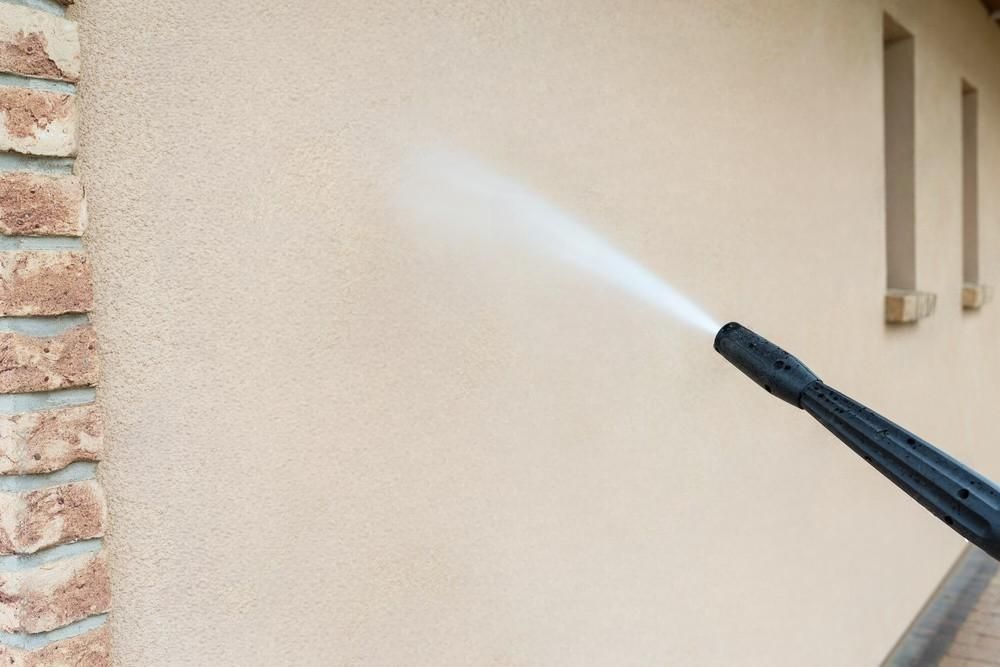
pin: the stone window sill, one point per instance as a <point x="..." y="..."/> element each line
<point x="904" y="306"/>
<point x="976" y="296"/>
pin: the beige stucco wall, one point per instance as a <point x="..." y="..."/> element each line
<point x="329" y="448"/>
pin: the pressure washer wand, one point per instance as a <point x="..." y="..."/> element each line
<point x="959" y="496"/>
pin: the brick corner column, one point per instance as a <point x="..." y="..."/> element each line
<point x="54" y="584"/>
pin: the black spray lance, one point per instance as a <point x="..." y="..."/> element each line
<point x="957" y="495"/>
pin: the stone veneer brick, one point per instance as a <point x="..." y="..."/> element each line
<point x="38" y="44"/>
<point x="33" y="520"/>
<point x="33" y="204"/>
<point x="47" y="592"/>
<point x="54" y="594"/>
<point x="47" y="440"/>
<point x="38" y="122"/>
<point x="44" y="283"/>
<point x="29" y="363"/>
<point x="91" y="649"/>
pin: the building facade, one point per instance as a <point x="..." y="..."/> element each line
<point x="329" y="436"/>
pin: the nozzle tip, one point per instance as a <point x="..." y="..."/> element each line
<point x="765" y="363"/>
<point x="723" y="331"/>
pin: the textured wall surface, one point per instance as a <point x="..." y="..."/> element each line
<point x="328" y="446"/>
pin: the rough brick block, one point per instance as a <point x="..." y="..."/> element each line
<point x="29" y="363"/>
<point x="47" y="440"/>
<point x="41" y="205"/>
<point x="45" y="283"/>
<point x="38" y="122"/>
<point x="54" y="594"/>
<point x="39" y="44"/>
<point x="33" y="520"/>
<point x="91" y="649"/>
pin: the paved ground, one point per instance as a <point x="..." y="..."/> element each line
<point x="977" y="642"/>
<point x="960" y="625"/>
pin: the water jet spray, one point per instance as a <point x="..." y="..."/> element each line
<point x="957" y="495"/>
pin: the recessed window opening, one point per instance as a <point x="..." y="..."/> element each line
<point x="898" y="96"/>
<point x="970" y="184"/>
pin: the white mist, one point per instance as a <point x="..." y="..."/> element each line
<point x="467" y="200"/>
